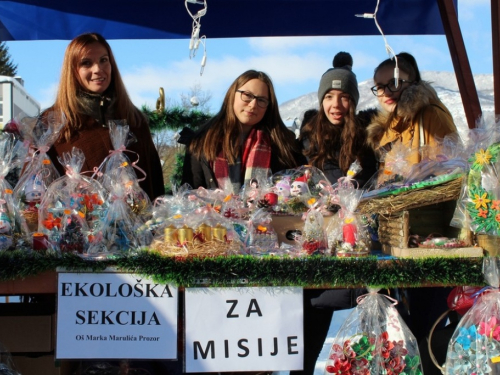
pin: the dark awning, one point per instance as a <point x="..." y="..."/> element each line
<point x="169" y="19"/>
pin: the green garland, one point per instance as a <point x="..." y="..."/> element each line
<point x="314" y="271"/>
<point x="174" y="118"/>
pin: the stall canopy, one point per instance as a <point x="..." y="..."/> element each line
<point x="169" y="19"/>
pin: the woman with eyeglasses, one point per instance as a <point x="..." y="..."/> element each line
<point x="245" y="140"/>
<point x="411" y="110"/>
<point x="413" y="114"/>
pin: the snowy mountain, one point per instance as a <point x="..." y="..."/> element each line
<point x="445" y="84"/>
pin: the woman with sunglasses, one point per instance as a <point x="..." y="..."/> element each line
<point x="413" y="114"/>
<point x="411" y="110"/>
<point x="245" y="140"/>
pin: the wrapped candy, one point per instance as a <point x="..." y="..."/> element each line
<point x="474" y="347"/>
<point x="72" y="208"/>
<point x="374" y="339"/>
<point x="39" y="172"/>
<point x="117" y="166"/>
<point x="12" y="153"/>
<point x="121" y="231"/>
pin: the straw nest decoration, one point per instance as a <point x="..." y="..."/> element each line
<point x="412" y="198"/>
<point x="204" y="249"/>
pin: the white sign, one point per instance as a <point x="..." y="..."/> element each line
<point x="244" y="329"/>
<point x="115" y="315"/>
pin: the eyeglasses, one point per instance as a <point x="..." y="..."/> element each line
<point x="379" y="90"/>
<point x="247" y="97"/>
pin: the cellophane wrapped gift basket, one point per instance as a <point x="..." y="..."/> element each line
<point x="12" y="155"/>
<point x="39" y="172"/>
<point x="374" y="339"/>
<point x="122" y="231"/>
<point x="117" y="166"/>
<point x="72" y="208"/>
<point x="294" y="192"/>
<point x="348" y="231"/>
<point x="474" y="347"/>
<point x="202" y="232"/>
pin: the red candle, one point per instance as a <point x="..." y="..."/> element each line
<point x="40" y="241"/>
<point x="349" y="232"/>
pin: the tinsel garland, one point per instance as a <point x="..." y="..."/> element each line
<point x="313" y="271"/>
<point x="174" y="118"/>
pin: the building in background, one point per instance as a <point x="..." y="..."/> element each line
<point x="15" y="100"/>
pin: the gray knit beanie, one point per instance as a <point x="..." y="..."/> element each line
<point x="340" y="77"/>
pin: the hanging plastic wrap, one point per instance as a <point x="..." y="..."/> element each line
<point x="39" y="172"/>
<point x="474" y="347"/>
<point x="117" y="166"/>
<point x="203" y="232"/>
<point x="122" y="231"/>
<point x="12" y="154"/>
<point x="374" y="339"/>
<point x="72" y="208"/>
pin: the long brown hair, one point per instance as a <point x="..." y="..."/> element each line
<point x="67" y="100"/>
<point x="221" y="133"/>
<point x="325" y="139"/>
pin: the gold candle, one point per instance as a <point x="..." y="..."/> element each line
<point x="206" y="231"/>
<point x="185" y="234"/>
<point x="170" y="234"/>
<point x="219" y="232"/>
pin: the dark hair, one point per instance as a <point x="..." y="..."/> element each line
<point x="406" y="63"/>
<point x="308" y="115"/>
<point x="221" y="133"/>
<point x="325" y="139"/>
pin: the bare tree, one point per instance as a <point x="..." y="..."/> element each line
<point x="203" y="98"/>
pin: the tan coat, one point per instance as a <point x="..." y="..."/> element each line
<point x="418" y="107"/>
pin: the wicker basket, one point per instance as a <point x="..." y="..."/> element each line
<point x="396" y="229"/>
<point x="412" y="198"/>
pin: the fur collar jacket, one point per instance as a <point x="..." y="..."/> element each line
<point x="420" y="118"/>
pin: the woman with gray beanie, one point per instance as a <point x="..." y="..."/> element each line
<point x="335" y="137"/>
<point x="332" y="140"/>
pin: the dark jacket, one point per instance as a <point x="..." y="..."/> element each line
<point x="366" y="156"/>
<point x="197" y="172"/>
<point x="95" y="142"/>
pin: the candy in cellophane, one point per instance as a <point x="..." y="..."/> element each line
<point x="72" y="208"/>
<point x="374" y="339"/>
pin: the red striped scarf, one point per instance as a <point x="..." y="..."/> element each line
<point x="255" y="159"/>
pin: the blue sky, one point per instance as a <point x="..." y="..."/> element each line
<point x="294" y="64"/>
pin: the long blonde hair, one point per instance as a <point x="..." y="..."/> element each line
<point x="221" y="133"/>
<point x="67" y="100"/>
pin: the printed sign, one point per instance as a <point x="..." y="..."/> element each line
<point x="243" y="329"/>
<point x="115" y="315"/>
